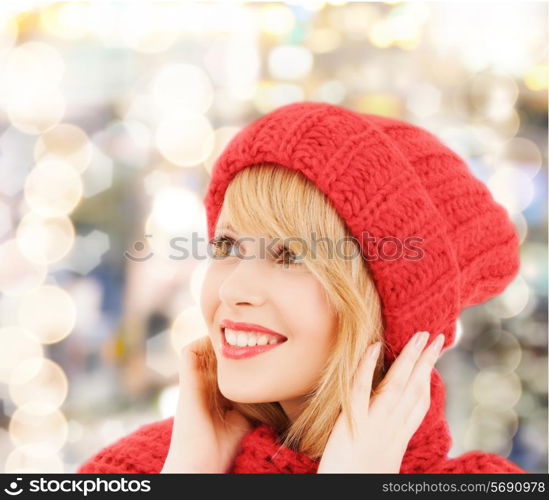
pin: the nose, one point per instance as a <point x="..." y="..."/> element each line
<point x="245" y="284"/>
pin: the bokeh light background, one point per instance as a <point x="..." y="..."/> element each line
<point x="111" y="116"/>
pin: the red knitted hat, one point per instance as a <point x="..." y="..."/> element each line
<point x="394" y="181"/>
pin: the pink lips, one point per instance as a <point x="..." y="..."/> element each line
<point x="235" y="352"/>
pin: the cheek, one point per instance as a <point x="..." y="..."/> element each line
<point x="209" y="297"/>
<point x="311" y="320"/>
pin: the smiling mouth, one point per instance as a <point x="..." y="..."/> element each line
<point x="239" y="338"/>
<point x="243" y="344"/>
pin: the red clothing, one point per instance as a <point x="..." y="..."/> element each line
<point x="145" y="450"/>
<point x="385" y="178"/>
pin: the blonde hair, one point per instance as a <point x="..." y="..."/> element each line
<point x="274" y="200"/>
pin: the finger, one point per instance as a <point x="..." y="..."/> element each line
<point x="193" y="401"/>
<point x="393" y="384"/>
<point x="416" y="401"/>
<point x="362" y="383"/>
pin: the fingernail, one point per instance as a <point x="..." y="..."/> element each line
<point x="374" y="353"/>
<point x="420" y="339"/>
<point x="438" y="343"/>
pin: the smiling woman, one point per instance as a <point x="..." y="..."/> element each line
<point x="352" y="386"/>
<point x="325" y="305"/>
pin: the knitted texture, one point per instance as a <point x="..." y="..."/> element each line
<point x="144" y="451"/>
<point x="393" y="181"/>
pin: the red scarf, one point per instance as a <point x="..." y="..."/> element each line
<point x="145" y="450"/>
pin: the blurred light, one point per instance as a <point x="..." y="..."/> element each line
<point x="16" y="345"/>
<point x="222" y="137"/>
<point x="15" y="160"/>
<point x="8" y="34"/>
<point x="182" y="87"/>
<point x="35" y="423"/>
<point x="512" y="188"/>
<point x="136" y="106"/>
<point x="323" y="40"/>
<point x="507" y="125"/>
<point x="197" y="280"/>
<point x="503" y="354"/>
<point x="242" y="64"/>
<point x="424" y="100"/>
<point x="34" y="458"/>
<point x="497" y="390"/>
<point x="168" y="400"/>
<point x="86" y="253"/>
<point x="491" y="430"/>
<point x="401" y="27"/>
<point x="76" y="431"/>
<point x="511" y="301"/>
<point x="331" y="91"/>
<point x="159" y="354"/>
<point x="276" y="19"/>
<point x="44" y="240"/>
<point x="29" y="89"/>
<point x="21" y="275"/>
<point x="379" y="103"/>
<point x="128" y="142"/>
<point x="185" y="139"/>
<point x="39" y="381"/>
<point x="48" y="313"/>
<point x="355" y="21"/>
<point x="493" y="95"/>
<point x="175" y="208"/>
<point x="187" y="327"/>
<point x="310" y="4"/>
<point x="290" y="62"/>
<point x="66" y="20"/>
<point x="537" y="77"/>
<point x="521" y="153"/>
<point x="53" y="188"/>
<point x="65" y="142"/>
<point x="176" y="213"/>
<point x="149" y="28"/>
<point x="36" y="113"/>
<point x="521" y="226"/>
<point x="111" y="429"/>
<point x="270" y="96"/>
<point x="98" y="176"/>
<point x="156" y="181"/>
<point x="533" y="369"/>
<point x="459" y="332"/>
<point x="481" y="36"/>
<point x="534" y="266"/>
<point x="32" y="68"/>
<point x="5" y="219"/>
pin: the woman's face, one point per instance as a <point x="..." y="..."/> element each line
<point x="248" y="284"/>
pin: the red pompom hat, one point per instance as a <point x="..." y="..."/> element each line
<point x="392" y="180"/>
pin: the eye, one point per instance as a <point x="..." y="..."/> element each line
<point x="220" y="245"/>
<point x="287" y="258"/>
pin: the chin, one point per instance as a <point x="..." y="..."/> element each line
<point x="238" y="394"/>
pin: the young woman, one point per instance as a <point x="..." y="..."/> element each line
<point x="344" y="246"/>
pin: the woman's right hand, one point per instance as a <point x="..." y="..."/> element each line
<point x="201" y="442"/>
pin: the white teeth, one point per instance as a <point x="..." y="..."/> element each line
<point x="263" y="340"/>
<point x="243" y="339"/>
<point x="230" y="336"/>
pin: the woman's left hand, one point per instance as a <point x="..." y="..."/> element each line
<point x="384" y="423"/>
